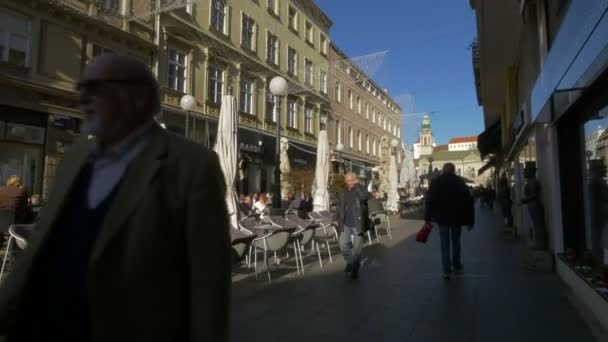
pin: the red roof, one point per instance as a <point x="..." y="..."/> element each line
<point x="463" y="140"/>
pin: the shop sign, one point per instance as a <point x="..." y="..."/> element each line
<point x="61" y="121"/>
<point x="244" y="147"/>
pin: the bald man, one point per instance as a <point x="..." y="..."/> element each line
<point x="133" y="244"/>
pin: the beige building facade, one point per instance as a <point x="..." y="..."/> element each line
<point x="44" y="46"/>
<point x="541" y="77"/>
<point x="205" y="49"/>
<point x="361" y="115"/>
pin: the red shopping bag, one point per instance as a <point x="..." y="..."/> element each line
<point x="423" y="233"/>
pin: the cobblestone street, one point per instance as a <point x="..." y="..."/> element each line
<point x="401" y="296"/>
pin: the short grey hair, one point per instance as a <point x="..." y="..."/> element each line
<point x="350" y="174"/>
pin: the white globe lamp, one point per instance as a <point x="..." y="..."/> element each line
<point x="278" y="86"/>
<point x="188" y="103"/>
<point x="339" y="147"/>
<point x="395" y="143"/>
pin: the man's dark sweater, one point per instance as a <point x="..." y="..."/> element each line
<point x="58" y="295"/>
<point x="350" y="202"/>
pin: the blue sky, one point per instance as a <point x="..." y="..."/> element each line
<point x="428" y="56"/>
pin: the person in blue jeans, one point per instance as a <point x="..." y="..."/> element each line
<point x="449" y="204"/>
<point x="351" y="220"/>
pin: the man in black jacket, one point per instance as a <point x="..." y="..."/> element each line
<point x="351" y="219"/>
<point x="450" y="205"/>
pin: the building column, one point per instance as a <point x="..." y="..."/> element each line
<point x="302" y="112"/>
<point x="205" y="96"/>
<point x="262" y="94"/>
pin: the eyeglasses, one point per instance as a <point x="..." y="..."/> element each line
<point x="96" y="86"/>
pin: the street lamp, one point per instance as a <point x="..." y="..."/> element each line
<point x="340" y="148"/>
<point x="188" y="103"/>
<point x="395" y="143"/>
<point x="278" y="88"/>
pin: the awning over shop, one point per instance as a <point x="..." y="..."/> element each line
<point x="489" y="141"/>
<point x="489" y="164"/>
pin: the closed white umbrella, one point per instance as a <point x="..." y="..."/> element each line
<point x="226" y="149"/>
<point x="393" y="196"/>
<point x="321" y="193"/>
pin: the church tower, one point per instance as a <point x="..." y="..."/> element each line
<point x="426" y="137"/>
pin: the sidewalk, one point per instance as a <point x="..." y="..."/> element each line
<point x="401" y="296"/>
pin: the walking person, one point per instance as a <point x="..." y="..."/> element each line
<point x="504" y="197"/>
<point x="133" y="244"/>
<point x="352" y="221"/>
<point x="450" y="205"/>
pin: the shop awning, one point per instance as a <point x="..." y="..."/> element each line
<point x="489" y="164"/>
<point x="489" y="141"/>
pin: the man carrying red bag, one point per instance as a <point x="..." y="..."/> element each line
<point x="450" y="205"/>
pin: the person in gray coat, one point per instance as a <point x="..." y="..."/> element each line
<point x="352" y="221"/>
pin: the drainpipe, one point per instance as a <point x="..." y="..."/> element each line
<point x="547" y="26"/>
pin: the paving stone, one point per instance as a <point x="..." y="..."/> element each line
<point x="401" y="296"/>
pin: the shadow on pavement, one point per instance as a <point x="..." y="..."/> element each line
<point x="401" y="296"/>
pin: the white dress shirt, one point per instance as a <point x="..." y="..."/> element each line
<point x="110" y="165"/>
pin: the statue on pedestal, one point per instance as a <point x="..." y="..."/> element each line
<point x="538" y="258"/>
<point x="285" y="168"/>
<point x="383" y="169"/>
<point x="532" y="198"/>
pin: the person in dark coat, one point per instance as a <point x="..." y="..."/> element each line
<point x="450" y="205"/>
<point x="504" y="197"/>
<point x="132" y="203"/>
<point x="352" y="221"/>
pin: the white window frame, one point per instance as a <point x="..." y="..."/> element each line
<point x="6" y="33"/>
<point x="351" y="138"/>
<point x="225" y="22"/>
<point x="308" y="119"/>
<point x="213" y="71"/>
<point x="292" y="114"/>
<point x="247" y="88"/>
<point x="374" y="147"/>
<point x="175" y="65"/>
<point x="310" y="33"/>
<point x="367" y="143"/>
<point x="339" y="131"/>
<point x="359" y="141"/>
<point x="104" y="50"/>
<point x="359" y="105"/>
<point x="350" y="99"/>
<point x="323" y="122"/>
<point x="293" y="72"/>
<point x="274" y="6"/>
<point x="367" y="111"/>
<point x="296" y="18"/>
<point x="275" y="56"/>
<point x="323" y="81"/>
<point x="323" y="43"/>
<point x="338" y="90"/>
<point x="248" y="39"/>
<point x="271" y="103"/>
<point x="309" y="74"/>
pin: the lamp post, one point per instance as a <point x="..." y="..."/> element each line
<point x="278" y="88"/>
<point x="188" y="103"/>
<point x="340" y="148"/>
